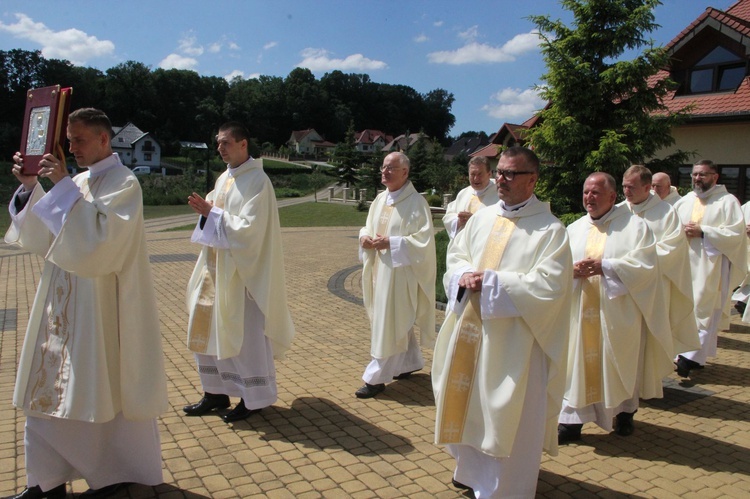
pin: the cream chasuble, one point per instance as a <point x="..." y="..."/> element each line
<point x="480" y="364"/>
<point x="677" y="286"/>
<point x="95" y="310"/>
<point x="468" y="200"/>
<point x="723" y="227"/>
<point x="630" y="250"/>
<point x="251" y="261"/>
<point x="397" y="297"/>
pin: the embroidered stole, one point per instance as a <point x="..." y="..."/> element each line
<point x="591" y="325"/>
<point x="462" y="371"/>
<point x="382" y="229"/>
<point x="699" y="208"/>
<point x="200" y="326"/>
<point x="474" y="204"/>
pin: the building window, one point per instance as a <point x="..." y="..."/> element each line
<point x="720" y="70"/>
<point x="147" y="156"/>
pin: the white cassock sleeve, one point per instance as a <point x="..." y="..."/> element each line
<point x="54" y="206"/>
<point x="613" y="286"/>
<point x="212" y="233"/>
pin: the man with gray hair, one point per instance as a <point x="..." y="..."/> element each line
<point x="397" y="248"/>
<point x="479" y="193"/>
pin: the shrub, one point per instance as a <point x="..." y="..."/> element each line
<point x="434" y="200"/>
<point x="441" y="249"/>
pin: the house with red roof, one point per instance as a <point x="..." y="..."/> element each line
<point x="309" y="143"/>
<point x="369" y="141"/>
<point x="710" y="61"/>
<point x="509" y="135"/>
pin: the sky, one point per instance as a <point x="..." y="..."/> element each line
<point x="486" y="53"/>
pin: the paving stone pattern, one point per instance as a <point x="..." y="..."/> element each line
<point x="318" y="440"/>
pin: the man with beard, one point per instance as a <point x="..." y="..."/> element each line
<point x="713" y="222"/>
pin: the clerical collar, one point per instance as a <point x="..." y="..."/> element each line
<point x="705" y="194"/>
<point x="233" y="171"/>
<point x="101" y="167"/>
<point x="393" y="195"/>
<point x="603" y="218"/>
<point x="637" y="208"/>
<point x="479" y="194"/>
<point x="509" y="211"/>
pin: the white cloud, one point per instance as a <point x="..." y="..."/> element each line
<point x="421" y="38"/>
<point x="437" y="24"/>
<point x="177" y="61"/>
<point x="233" y="46"/>
<point x="270" y="45"/>
<point x="320" y="60"/>
<point x="514" y="104"/>
<point x="234" y="74"/>
<point x="470" y="34"/>
<point x="71" y="44"/>
<point x="477" y="53"/>
<point x="214" y="48"/>
<point x="188" y="45"/>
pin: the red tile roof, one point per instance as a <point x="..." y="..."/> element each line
<point x="736" y="19"/>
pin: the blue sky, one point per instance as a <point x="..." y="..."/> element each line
<point x="484" y="52"/>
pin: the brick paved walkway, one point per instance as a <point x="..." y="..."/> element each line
<point x="318" y="440"/>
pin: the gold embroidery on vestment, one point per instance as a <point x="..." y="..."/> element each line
<point x="462" y="370"/>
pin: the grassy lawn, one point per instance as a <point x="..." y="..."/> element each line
<point x="321" y="215"/>
<point x="150" y="212"/>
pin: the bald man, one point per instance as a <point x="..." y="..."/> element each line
<point x="661" y="185"/>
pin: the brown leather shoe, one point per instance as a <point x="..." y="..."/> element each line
<point x="35" y="492"/>
<point x="208" y="403"/>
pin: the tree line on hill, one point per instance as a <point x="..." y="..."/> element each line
<point x="177" y="105"/>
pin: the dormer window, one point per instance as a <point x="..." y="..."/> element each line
<point x="720" y="70"/>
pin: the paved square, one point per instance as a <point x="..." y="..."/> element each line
<point x="318" y="440"/>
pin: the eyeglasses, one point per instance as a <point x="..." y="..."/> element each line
<point x="390" y="168"/>
<point x="509" y="175"/>
<point x="702" y="174"/>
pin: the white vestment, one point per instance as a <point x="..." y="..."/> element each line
<point x="718" y="262"/>
<point x="631" y="307"/>
<point x="468" y="199"/>
<point x="398" y="284"/>
<point x="674" y="266"/>
<point x="743" y="292"/>
<point x="673" y="196"/>
<point x="91" y="362"/>
<point x="516" y="392"/>
<point x="238" y="330"/>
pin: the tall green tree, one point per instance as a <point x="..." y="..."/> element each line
<point x="604" y="113"/>
<point x="346" y="158"/>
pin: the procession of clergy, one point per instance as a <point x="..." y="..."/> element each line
<point x="547" y="328"/>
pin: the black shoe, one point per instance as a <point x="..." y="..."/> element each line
<point x="460" y="485"/>
<point x="568" y="433"/>
<point x="103" y="492"/>
<point x="208" y="403"/>
<point x="740" y="307"/>
<point x="405" y="375"/>
<point x="35" y="492"/>
<point x="239" y="413"/>
<point x="369" y="391"/>
<point x="684" y="365"/>
<point x="624" y="423"/>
